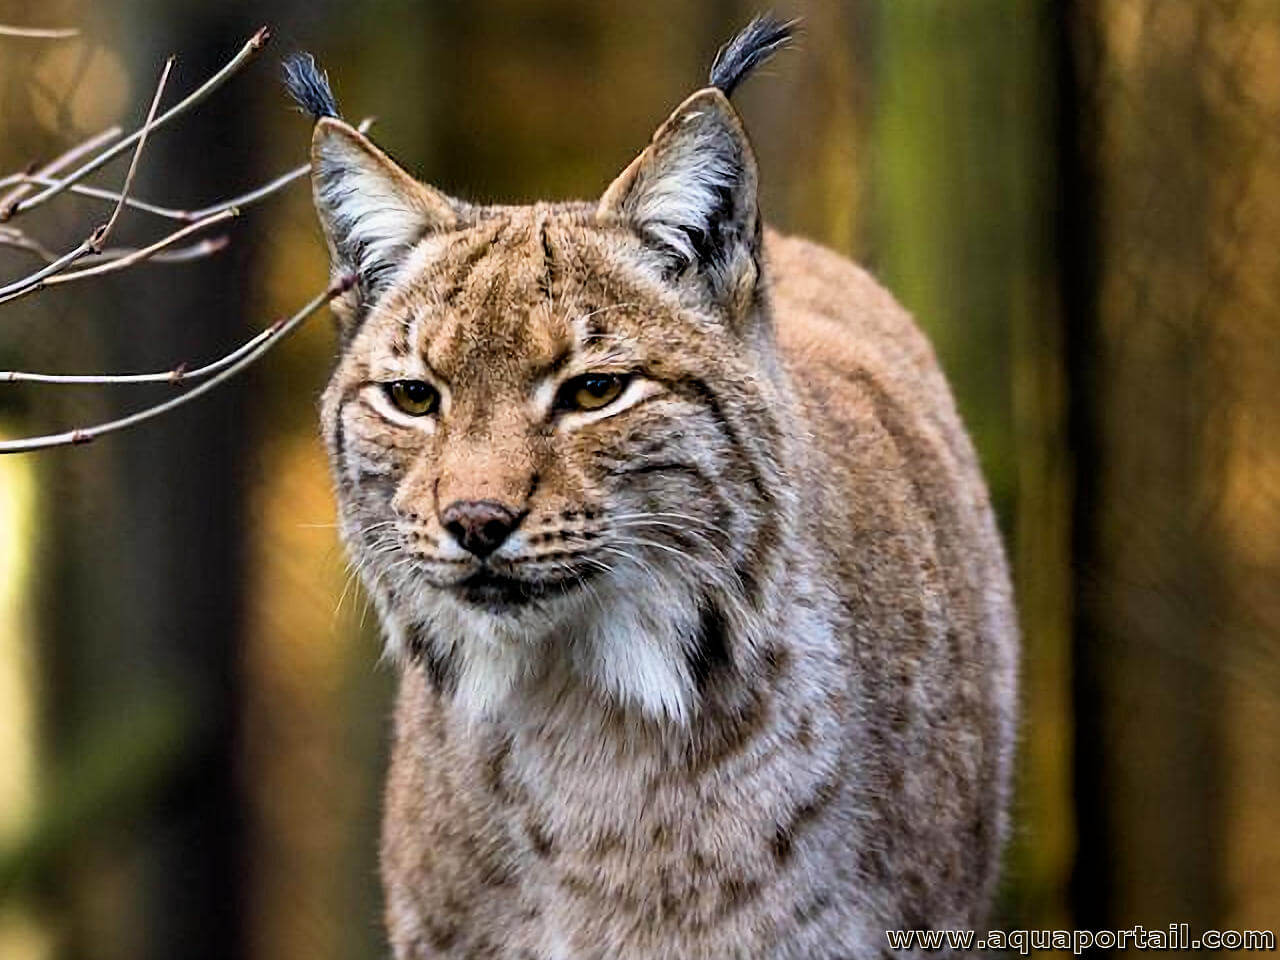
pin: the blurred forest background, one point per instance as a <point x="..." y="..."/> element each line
<point x="1081" y="203"/>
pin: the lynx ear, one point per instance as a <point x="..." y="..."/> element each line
<point x="692" y="194"/>
<point x="373" y="213"/>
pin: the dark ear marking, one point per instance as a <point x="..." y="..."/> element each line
<point x="691" y="195"/>
<point x="755" y="44"/>
<point x="309" y="86"/>
<point x="372" y="211"/>
<point x="710" y="653"/>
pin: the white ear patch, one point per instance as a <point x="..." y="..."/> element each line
<point x="373" y="212"/>
<point x="689" y="190"/>
<point x="692" y="193"/>
<point x="371" y="223"/>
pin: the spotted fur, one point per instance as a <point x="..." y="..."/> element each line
<point x="747" y="689"/>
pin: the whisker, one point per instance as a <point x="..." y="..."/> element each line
<point x="694" y="534"/>
<point x="668" y="515"/>
<point x="644" y="565"/>
<point x="353" y="572"/>
<point x="714" y="573"/>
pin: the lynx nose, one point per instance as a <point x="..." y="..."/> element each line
<point x="479" y="526"/>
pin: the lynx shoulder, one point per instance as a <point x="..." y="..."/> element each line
<point x="705" y="630"/>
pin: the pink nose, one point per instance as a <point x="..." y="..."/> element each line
<point x="479" y="526"/>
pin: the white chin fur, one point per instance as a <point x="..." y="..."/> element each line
<point x="626" y="635"/>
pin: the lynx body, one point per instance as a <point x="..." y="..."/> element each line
<point x="706" y="632"/>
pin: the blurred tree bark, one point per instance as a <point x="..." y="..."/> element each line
<point x="143" y="548"/>
<point x="1166" y="199"/>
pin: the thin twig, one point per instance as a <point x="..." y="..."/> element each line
<point x="112" y="196"/>
<point x="177" y="375"/>
<point x="172" y="213"/>
<point x="254" y="196"/>
<point x="19" y="240"/>
<point x="99" y="193"/>
<point x="258" y="195"/>
<point x="39" y="33"/>
<point x="147" y="125"/>
<point x="10" y="237"/>
<point x="145" y="253"/>
<point x="94" y="242"/>
<point x="58" y="163"/>
<point x="252" y="46"/>
<point x="245" y="359"/>
<point x="197" y="251"/>
<point x="55" y="272"/>
<point x="33" y="282"/>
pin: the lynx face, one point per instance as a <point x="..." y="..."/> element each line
<point x="538" y="421"/>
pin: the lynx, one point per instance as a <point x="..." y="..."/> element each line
<point x="705" y="631"/>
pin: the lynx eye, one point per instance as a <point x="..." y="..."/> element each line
<point x="414" y="397"/>
<point x="590" y="391"/>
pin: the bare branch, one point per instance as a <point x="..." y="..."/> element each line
<point x="71" y="156"/>
<point x="54" y="272"/>
<point x="201" y="93"/>
<point x="172" y="213"/>
<point x="177" y="375"/>
<point x="99" y="193"/>
<point x="39" y="33"/>
<point x="146" y="253"/>
<point x="33" y="282"/>
<point x="280" y="182"/>
<point x="91" y="156"/>
<point x="197" y="251"/>
<point x="10" y="237"/>
<point x="94" y="242"/>
<point x="244" y="359"/>
<point x="103" y="232"/>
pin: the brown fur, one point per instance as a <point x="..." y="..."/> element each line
<point x="758" y="698"/>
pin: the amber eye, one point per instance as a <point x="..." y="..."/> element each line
<point x="413" y="397"/>
<point x="590" y="391"/>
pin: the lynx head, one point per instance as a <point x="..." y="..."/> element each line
<point x="552" y="427"/>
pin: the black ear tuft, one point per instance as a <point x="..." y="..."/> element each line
<point x="309" y="86"/>
<point x="754" y="44"/>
